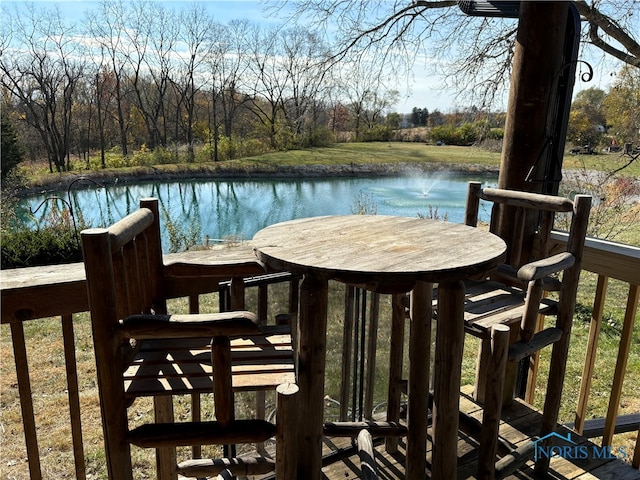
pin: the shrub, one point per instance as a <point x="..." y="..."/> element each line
<point x="433" y="214"/>
<point x="181" y="236"/>
<point x="468" y="133"/>
<point x="46" y="246"/>
<point x="364" y="204"/>
<point x="614" y="209"/>
<point x="53" y="242"/>
<point x="496" y="133"/>
<point x="447" y="134"/>
<point x="317" y="137"/>
<point x="377" y="133"/>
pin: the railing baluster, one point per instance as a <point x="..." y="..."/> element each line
<point x="621" y="363"/>
<point x="196" y="401"/>
<point x="26" y="402"/>
<point x="636" y="453"/>
<point x="74" y="397"/>
<point x="592" y="347"/>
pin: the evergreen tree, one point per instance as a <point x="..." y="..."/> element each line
<point x="10" y="151"/>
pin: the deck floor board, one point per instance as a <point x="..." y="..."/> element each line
<point x="520" y="423"/>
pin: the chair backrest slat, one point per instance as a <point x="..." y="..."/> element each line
<point x="133" y="278"/>
<point x="120" y="287"/>
<point x="133" y="256"/>
<point x="515" y="243"/>
<point x="144" y="271"/>
<point x="154" y="252"/>
<point x="543" y="245"/>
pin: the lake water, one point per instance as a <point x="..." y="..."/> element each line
<point x="239" y="208"/>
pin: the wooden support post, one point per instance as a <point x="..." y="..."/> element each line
<point x="636" y="453"/>
<point x="261" y="396"/>
<point x="534" y="365"/>
<point x="418" y="392"/>
<point x="372" y="344"/>
<point x="286" y="423"/>
<point x="222" y="380"/>
<point x="448" y="365"/>
<point x="482" y="365"/>
<point x="537" y="61"/>
<point x="26" y="402"/>
<point x="493" y="401"/>
<point x="314" y="293"/>
<point x="196" y="416"/>
<point x="196" y="411"/>
<point x="347" y="349"/>
<point x="237" y="293"/>
<point x="396" y="352"/>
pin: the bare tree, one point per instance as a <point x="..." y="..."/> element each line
<point x="109" y="31"/>
<point x="473" y="55"/>
<point x="43" y="76"/>
<point x="617" y="27"/>
<point x="233" y="71"/>
<point x="103" y="91"/>
<point x="227" y="63"/>
<point x="305" y="57"/>
<point x="153" y="34"/>
<point x="269" y="80"/>
<point x="365" y="96"/>
<point x="194" y="34"/>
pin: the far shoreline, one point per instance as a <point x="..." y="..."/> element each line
<point x="62" y="181"/>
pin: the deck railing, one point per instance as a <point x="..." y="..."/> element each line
<point x="34" y="293"/>
<point x="41" y="292"/>
<point x="609" y="260"/>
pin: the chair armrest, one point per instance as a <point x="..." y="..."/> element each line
<point x="541" y="268"/>
<point x="189" y="326"/>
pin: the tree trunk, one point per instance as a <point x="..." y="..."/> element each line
<point x="537" y="62"/>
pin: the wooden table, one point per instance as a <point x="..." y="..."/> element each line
<point x="386" y="254"/>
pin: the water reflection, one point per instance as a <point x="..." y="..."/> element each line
<point x="238" y="208"/>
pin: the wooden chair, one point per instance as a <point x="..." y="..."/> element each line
<point x="142" y="351"/>
<point x="506" y="309"/>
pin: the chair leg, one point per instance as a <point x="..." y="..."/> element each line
<point x="482" y="366"/>
<point x="166" y="460"/>
<point x="557" y="369"/>
<point x="493" y="401"/>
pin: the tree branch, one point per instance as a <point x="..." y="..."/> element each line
<point x="597" y="20"/>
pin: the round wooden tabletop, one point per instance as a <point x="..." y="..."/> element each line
<point x="376" y="249"/>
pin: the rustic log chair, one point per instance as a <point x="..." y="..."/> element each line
<point x="142" y="351"/>
<point x="506" y="309"/>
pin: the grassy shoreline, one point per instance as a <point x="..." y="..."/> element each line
<point x="345" y="159"/>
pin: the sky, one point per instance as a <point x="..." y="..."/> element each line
<point x="424" y="91"/>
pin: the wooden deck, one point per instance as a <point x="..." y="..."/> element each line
<point x="519" y="425"/>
